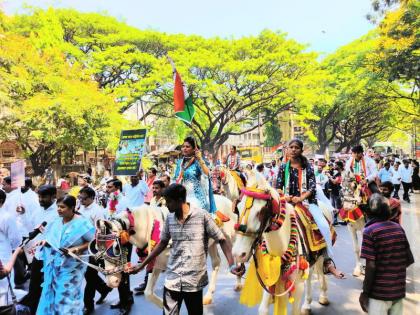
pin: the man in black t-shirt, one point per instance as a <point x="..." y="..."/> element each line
<point x="335" y="188"/>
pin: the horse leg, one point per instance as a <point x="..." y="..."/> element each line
<point x="215" y="261"/>
<point x="356" y="248"/>
<point x="306" y="307"/>
<point x="323" y="283"/>
<point x="265" y="304"/>
<point x="149" y="292"/>
<point x="299" y="288"/>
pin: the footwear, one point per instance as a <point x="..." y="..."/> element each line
<point x="342" y="223"/>
<point x="103" y="296"/>
<point x="125" y="310"/>
<point x="115" y="306"/>
<point x="87" y="311"/>
<point x="140" y="289"/>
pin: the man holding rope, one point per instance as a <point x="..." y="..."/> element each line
<point x="190" y="229"/>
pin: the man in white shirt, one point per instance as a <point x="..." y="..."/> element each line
<point x="396" y="179"/>
<point x="46" y="213"/>
<point x="363" y="165"/>
<point x="29" y="206"/>
<point x="13" y="196"/>
<point x="117" y="202"/>
<point x="136" y="191"/>
<point x="92" y="211"/>
<point x="406" y="172"/>
<point x="9" y="241"/>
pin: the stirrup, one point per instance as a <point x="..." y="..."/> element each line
<point x="222" y="217"/>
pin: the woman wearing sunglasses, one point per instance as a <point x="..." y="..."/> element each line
<point x="63" y="275"/>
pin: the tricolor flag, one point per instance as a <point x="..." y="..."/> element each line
<point x="183" y="106"/>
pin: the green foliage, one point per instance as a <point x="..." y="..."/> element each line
<point x="50" y="106"/>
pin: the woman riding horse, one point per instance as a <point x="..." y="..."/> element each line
<point x="296" y="178"/>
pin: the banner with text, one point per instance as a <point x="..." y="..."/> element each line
<point x="17" y="172"/>
<point x="129" y="152"/>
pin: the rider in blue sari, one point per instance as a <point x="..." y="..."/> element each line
<point x="63" y="275"/>
<point x="189" y="172"/>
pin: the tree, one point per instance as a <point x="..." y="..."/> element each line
<point x="229" y="80"/>
<point x="49" y="106"/>
<point x="348" y="102"/>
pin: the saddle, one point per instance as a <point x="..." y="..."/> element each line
<point x="313" y="240"/>
<point x="239" y="179"/>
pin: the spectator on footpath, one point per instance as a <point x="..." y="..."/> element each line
<point x="396" y="179"/>
<point x="406" y="173"/>
<point x="385" y="173"/>
<point x="387" y="252"/>
<point x="386" y="189"/>
<point x="188" y="227"/>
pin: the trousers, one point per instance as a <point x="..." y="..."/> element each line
<point x="31" y="299"/>
<point x="172" y="301"/>
<point x="378" y="307"/>
<point x="93" y="283"/>
<point x="126" y="295"/>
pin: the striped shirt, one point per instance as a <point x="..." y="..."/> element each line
<point x="187" y="267"/>
<point x="386" y="244"/>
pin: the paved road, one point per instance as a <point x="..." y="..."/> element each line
<point x="343" y="294"/>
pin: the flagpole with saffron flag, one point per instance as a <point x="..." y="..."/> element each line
<point x="183" y="106"/>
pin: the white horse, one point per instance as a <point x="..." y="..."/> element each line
<point x="277" y="244"/>
<point x="144" y="219"/>
<point x="352" y="198"/>
<point x="229" y="184"/>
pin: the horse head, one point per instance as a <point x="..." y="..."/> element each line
<point x="138" y="227"/>
<point x="350" y="190"/>
<point x="255" y="214"/>
<point x="107" y="246"/>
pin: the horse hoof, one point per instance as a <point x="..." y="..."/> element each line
<point x="323" y="301"/>
<point x="238" y="288"/>
<point x="357" y="273"/>
<point x="207" y="300"/>
<point x="306" y="311"/>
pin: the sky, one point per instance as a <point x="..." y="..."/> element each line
<point x="324" y="25"/>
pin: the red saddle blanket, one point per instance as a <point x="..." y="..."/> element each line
<point x="313" y="238"/>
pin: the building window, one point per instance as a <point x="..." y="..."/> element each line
<point x="8" y="153"/>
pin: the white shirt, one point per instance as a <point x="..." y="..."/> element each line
<point x="135" y="195"/>
<point x="121" y="206"/>
<point x="48" y="215"/>
<point x="371" y="170"/>
<point x="406" y="173"/>
<point x="396" y="176"/>
<point x="93" y="212"/>
<point x="30" y="202"/>
<point x="321" y="179"/>
<point x="10" y="238"/>
<point x="13" y="199"/>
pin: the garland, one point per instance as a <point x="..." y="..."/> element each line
<point x="183" y="168"/>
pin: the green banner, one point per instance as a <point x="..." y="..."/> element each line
<point x="129" y="152"/>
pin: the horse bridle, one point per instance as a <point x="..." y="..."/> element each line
<point x="106" y="242"/>
<point x="268" y="215"/>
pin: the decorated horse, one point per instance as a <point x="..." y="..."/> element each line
<point x="141" y="227"/>
<point x="268" y="232"/>
<point x="355" y="197"/>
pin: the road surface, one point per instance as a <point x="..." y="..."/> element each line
<point x="343" y="294"/>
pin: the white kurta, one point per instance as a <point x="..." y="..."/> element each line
<point x="10" y="238"/>
<point x="371" y="170"/>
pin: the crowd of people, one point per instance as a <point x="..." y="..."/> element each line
<point x="58" y="220"/>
